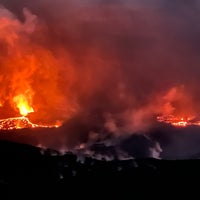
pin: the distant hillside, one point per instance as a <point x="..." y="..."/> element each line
<point x="31" y="169"/>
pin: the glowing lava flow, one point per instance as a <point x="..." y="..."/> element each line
<point x="21" y="123"/>
<point x="22" y="103"/>
<point x="178" y="121"/>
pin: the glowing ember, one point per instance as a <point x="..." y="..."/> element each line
<point x="21" y="123"/>
<point x="178" y="121"/>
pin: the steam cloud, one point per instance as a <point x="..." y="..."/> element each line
<point x="105" y="68"/>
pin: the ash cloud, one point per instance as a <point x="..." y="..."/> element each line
<point x="114" y="62"/>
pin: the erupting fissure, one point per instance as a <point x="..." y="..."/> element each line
<point x="22" y="122"/>
<point x="112" y="74"/>
<point x="178" y="121"/>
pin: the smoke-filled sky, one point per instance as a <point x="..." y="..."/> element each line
<point x="103" y="67"/>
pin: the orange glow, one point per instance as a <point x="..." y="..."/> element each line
<point x="34" y="79"/>
<point x="44" y="78"/>
<point x="178" y="121"/>
<point x="23" y="105"/>
<point x="177" y="108"/>
<point x="21" y="123"/>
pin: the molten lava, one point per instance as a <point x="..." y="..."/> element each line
<point x="23" y="105"/>
<point x="178" y="121"/>
<point x="22" y="122"/>
<point x="177" y="108"/>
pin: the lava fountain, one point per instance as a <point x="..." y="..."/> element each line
<point x="31" y="77"/>
<point x="23" y="121"/>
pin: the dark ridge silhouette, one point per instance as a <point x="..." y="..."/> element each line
<point x="38" y="173"/>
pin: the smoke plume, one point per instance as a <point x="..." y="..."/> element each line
<point x="105" y="69"/>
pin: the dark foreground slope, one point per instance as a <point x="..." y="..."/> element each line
<point x="24" y="168"/>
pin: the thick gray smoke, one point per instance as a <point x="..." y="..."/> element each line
<point x="116" y="62"/>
